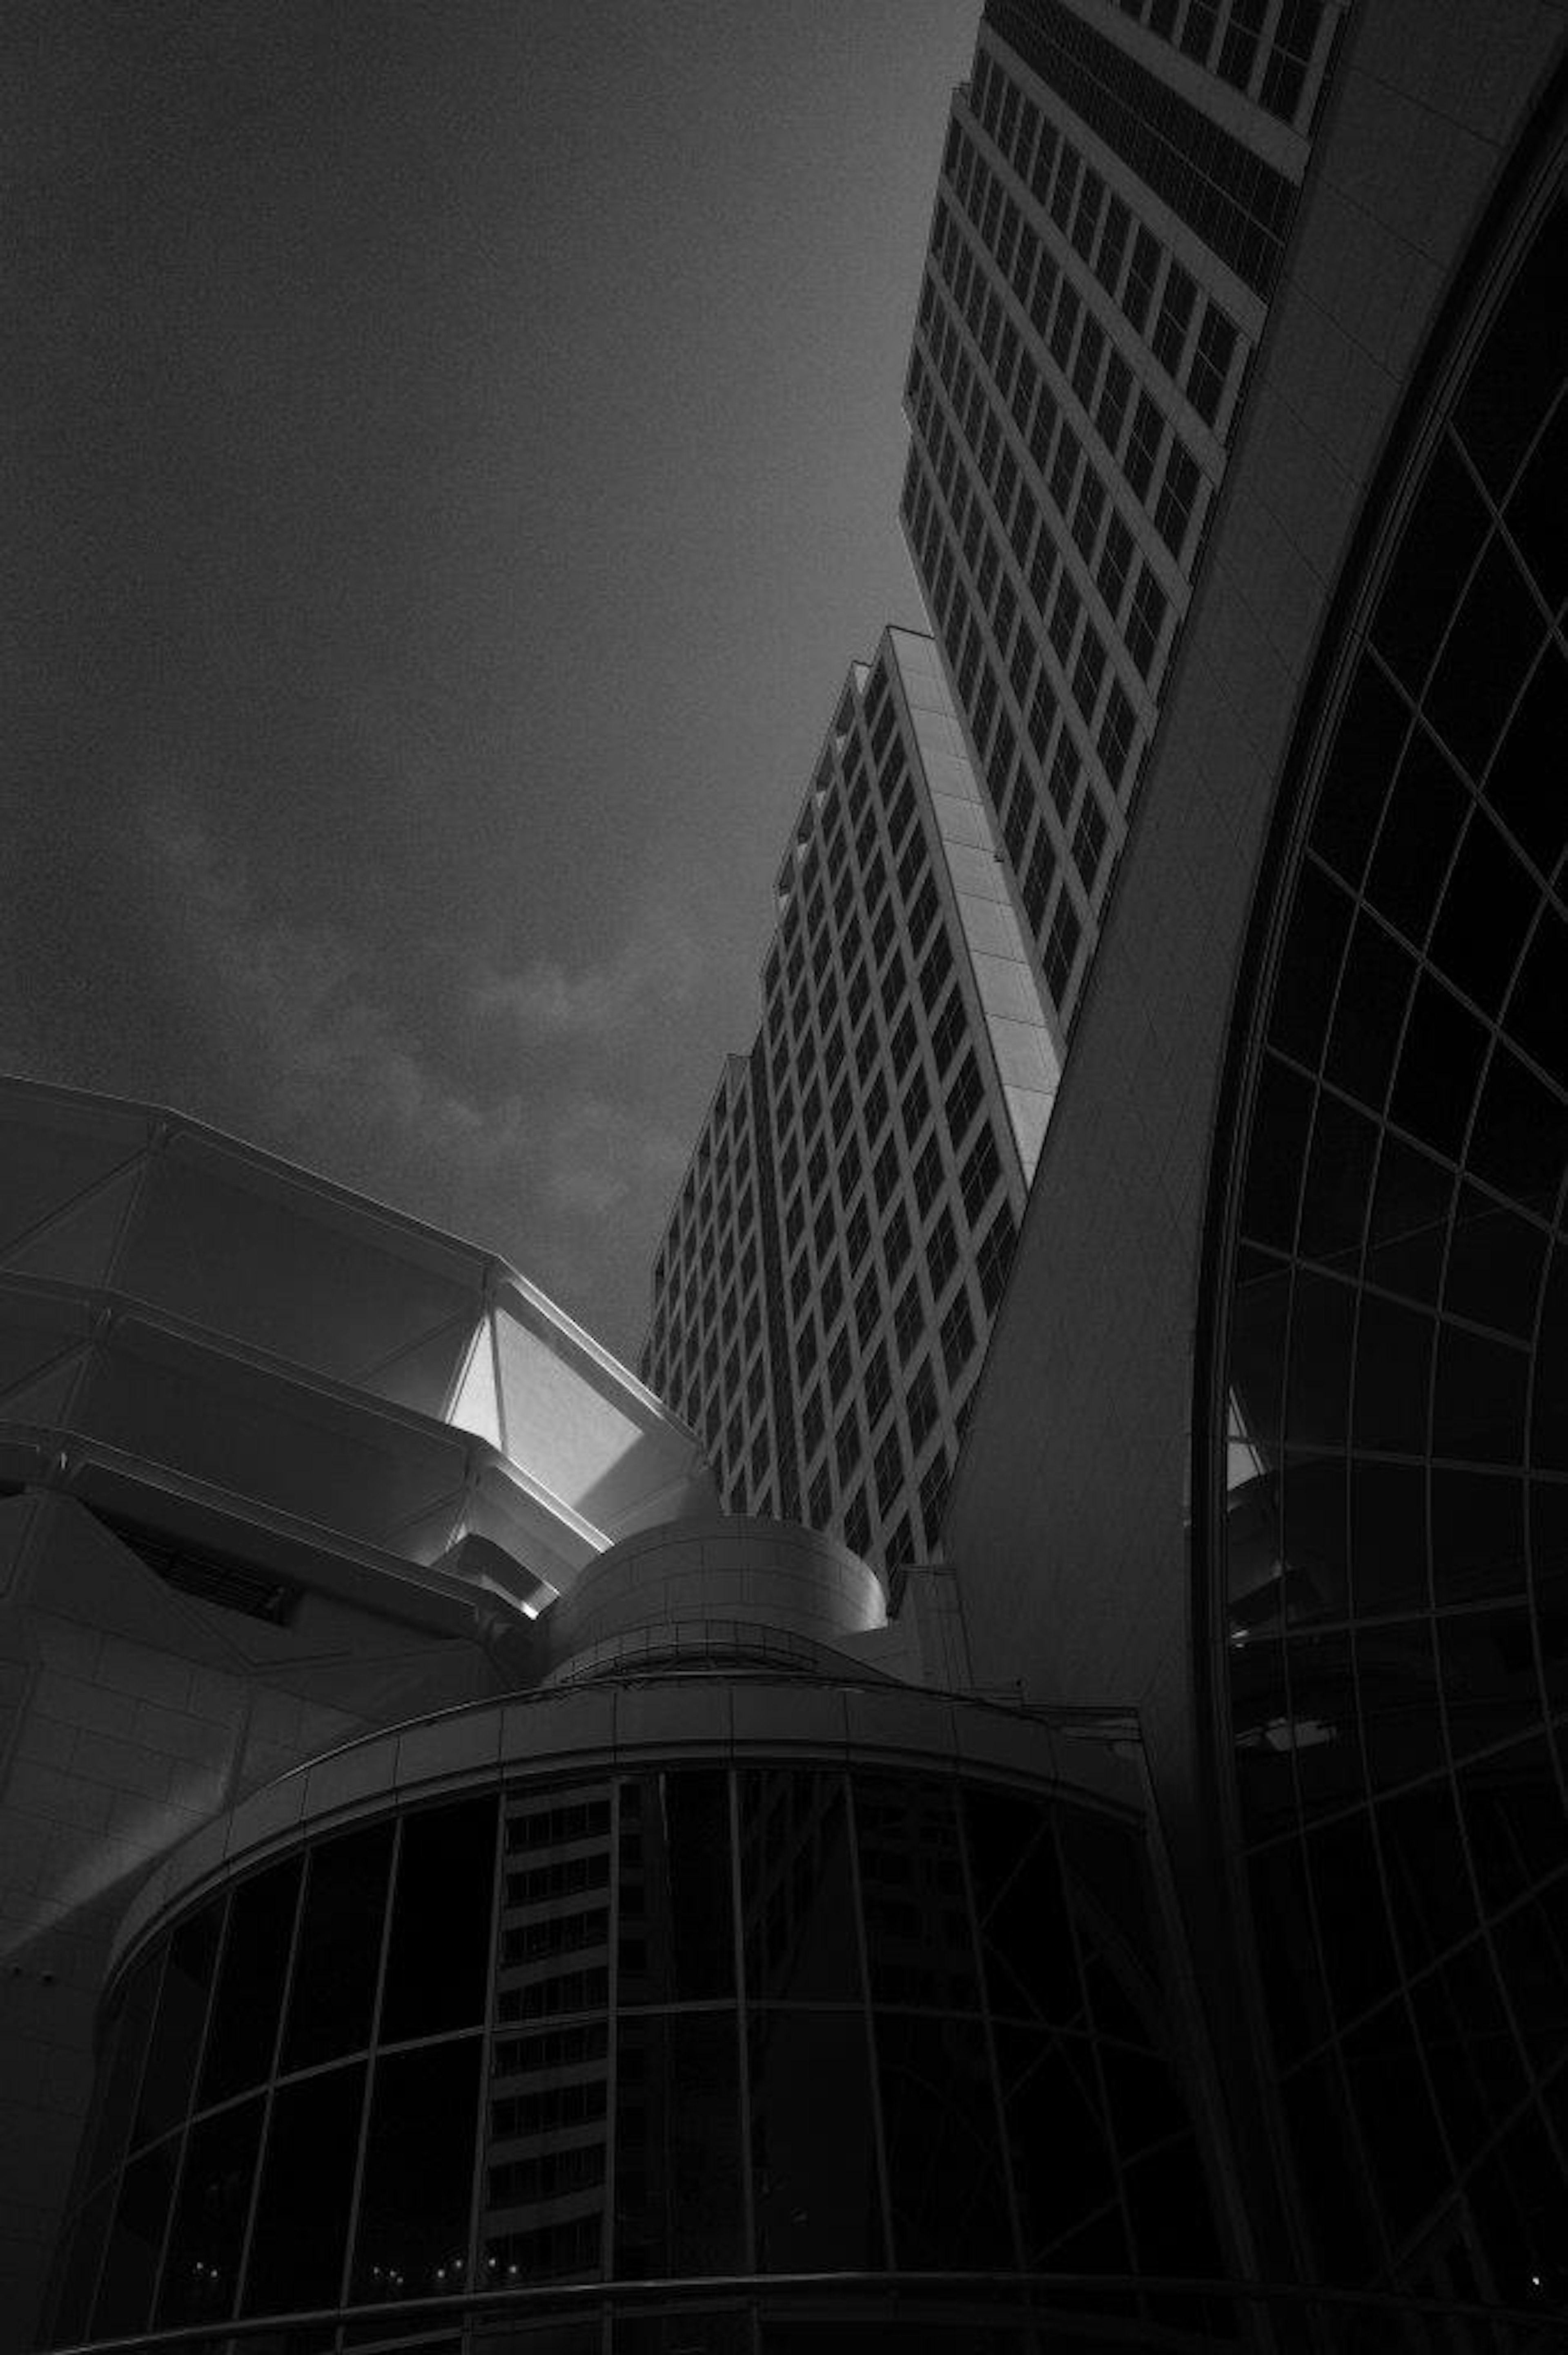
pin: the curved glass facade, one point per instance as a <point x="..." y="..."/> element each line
<point x="690" y="2020"/>
<point x="1396" y="1383"/>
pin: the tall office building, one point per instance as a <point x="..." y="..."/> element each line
<point x="1116" y="190"/>
<point x="838" y="1245"/>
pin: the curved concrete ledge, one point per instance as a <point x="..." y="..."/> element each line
<point x="771" y="1574"/>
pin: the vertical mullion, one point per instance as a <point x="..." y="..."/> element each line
<point x="612" y="2059"/>
<point x="889" y="2251"/>
<point x="741" y="2024"/>
<point x="346" y="2280"/>
<point x="183" y="2129"/>
<point x="242" y="2270"/>
<point x="482" y="2122"/>
<point x="118" y="2176"/>
<point x="997" y="2103"/>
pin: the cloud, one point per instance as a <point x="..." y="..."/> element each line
<point x="360" y="1065"/>
<point x="306" y="1002"/>
<point x="656" y="967"/>
<point x="601" y="1156"/>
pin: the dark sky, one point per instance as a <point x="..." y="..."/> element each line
<point x="452" y="453"/>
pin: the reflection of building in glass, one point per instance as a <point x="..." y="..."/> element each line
<point x="826" y="1282"/>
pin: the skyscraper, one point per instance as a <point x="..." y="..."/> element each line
<point x="1115" y="195"/>
<point x="826" y="1281"/>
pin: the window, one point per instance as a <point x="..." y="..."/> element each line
<point x="1285" y="71"/>
<point x="1143" y="448"/>
<point x="1116" y="730"/>
<point x="1064" y="619"/>
<point x="1175" y="318"/>
<point x="1144" y="267"/>
<point x="908" y="1320"/>
<point x="857" y="1234"/>
<point x="958" y="1334"/>
<point x="877" y="1384"/>
<point x="812" y="1422"/>
<point x="895" y="1239"/>
<point x="884" y="1172"/>
<point x="867" y="1307"/>
<point x="1114" y="395"/>
<point x="1064" y="469"/>
<point x="934" y="1497"/>
<point x="1038" y="876"/>
<point x="903" y="1041"/>
<point x="1021" y="531"/>
<point x="846" y="1444"/>
<point x="977" y="1177"/>
<point x="916" y="1105"/>
<point x="1086" y="219"/>
<point x="820" y="1499"/>
<point x="1042" y="716"/>
<point x="941" y="1252"/>
<point x="800" y="1285"/>
<point x="994" y="1257"/>
<point x="839" y="1366"/>
<point x="1113" y="245"/>
<point x="1086" y="366"/>
<point x="857" y="1523"/>
<point x="963" y="1101"/>
<point x="876" y="1100"/>
<point x="1146" y="619"/>
<point x="1064" y="325"/>
<point x="933" y="972"/>
<point x="921" y="1406"/>
<point x="948" y="1032"/>
<point x="1179" y="489"/>
<point x="1088" y="842"/>
<point x="832" y="1293"/>
<point x="889" y="1469"/>
<point x="1066" y="187"/>
<point x="928" y="1174"/>
<point x="1062" y="781"/>
<point x="1086" y="516"/>
<point x="1212" y="363"/>
<point x="1115" y="562"/>
<point x="1062" y="947"/>
<point x="1089" y="671"/>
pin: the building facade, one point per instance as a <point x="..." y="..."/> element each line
<point x="1271" y="1441"/>
<point x="826" y="1281"/>
<point x="1117" y="191"/>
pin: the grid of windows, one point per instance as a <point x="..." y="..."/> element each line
<point x="1071" y="390"/>
<point x="933" y="1963"/>
<point x="862" y="1372"/>
<point x="1392" y="1401"/>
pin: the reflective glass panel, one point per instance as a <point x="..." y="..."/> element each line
<point x="677" y="1905"/>
<point x="438" y="1962"/>
<point x="182" y="2015"/>
<point x="816" y="2196"/>
<point x="307" y="2181"/>
<point x="201" y="2271"/>
<point x="678" y="2148"/>
<point x="251" y="1981"/>
<point x="334" y="1984"/>
<point x="418" y="2188"/>
<point x="797" y="1890"/>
